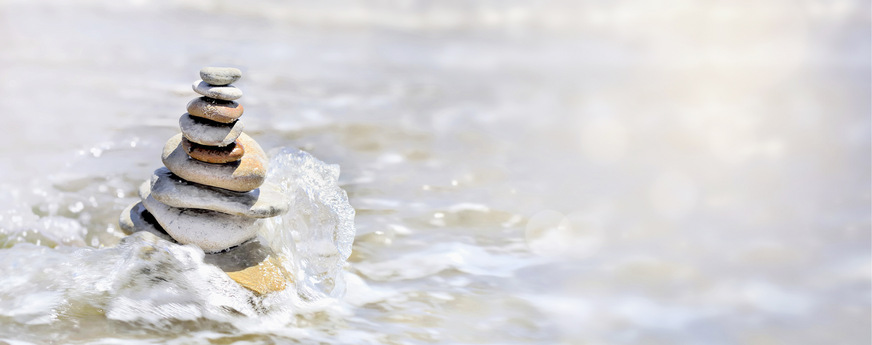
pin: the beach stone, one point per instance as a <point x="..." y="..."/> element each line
<point x="225" y="92"/>
<point x="220" y="75"/>
<point x="252" y="264"/>
<point x="213" y="154"/>
<point x="211" y="231"/>
<point x="243" y="175"/>
<point x="268" y="276"/>
<point x="215" y="110"/>
<point x="209" y="133"/>
<point x="266" y="201"/>
<point x="248" y="254"/>
<point x="136" y="218"/>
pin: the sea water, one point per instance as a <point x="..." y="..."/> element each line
<point x="557" y="172"/>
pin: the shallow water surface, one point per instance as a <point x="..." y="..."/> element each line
<point x="559" y="172"/>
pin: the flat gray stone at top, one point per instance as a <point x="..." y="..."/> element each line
<point x="210" y="133"/>
<point x="211" y="231"/>
<point x="224" y="92"/>
<point x="220" y="75"/>
<point x="263" y="202"/>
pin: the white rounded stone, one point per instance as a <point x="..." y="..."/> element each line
<point x="212" y="231"/>
<point x="263" y="202"/>
<point x="223" y="92"/>
<point x="210" y="133"/>
<point x="220" y="75"/>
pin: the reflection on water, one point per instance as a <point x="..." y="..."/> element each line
<point x="557" y="172"/>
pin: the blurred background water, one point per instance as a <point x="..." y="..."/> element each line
<point x="523" y="172"/>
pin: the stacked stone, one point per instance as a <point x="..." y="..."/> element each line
<point x="211" y="192"/>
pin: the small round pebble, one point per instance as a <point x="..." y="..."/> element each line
<point x="214" y="154"/>
<point x="215" y="110"/>
<point x="220" y="75"/>
<point x="226" y="92"/>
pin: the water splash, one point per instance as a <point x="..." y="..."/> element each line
<point x="315" y="237"/>
<point x="145" y="282"/>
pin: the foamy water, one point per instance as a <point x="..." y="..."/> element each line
<point x="520" y="173"/>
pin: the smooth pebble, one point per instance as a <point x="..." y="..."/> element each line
<point x="211" y="231"/>
<point x="220" y="75"/>
<point x="215" y="110"/>
<point x="213" y="154"/>
<point x="263" y="202"/>
<point x="209" y="133"/>
<point x="225" y="92"/>
<point x="243" y="175"/>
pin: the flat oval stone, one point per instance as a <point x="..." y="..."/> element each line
<point x="243" y="175"/>
<point x="225" y="92"/>
<point x="267" y="276"/>
<point x="209" y="133"/>
<point x="253" y="265"/>
<point x="212" y="231"/>
<point x="220" y="75"/>
<point x="214" y="154"/>
<point x="136" y="218"/>
<point x="215" y="109"/>
<point x="266" y="201"/>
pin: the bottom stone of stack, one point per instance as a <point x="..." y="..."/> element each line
<point x="210" y="230"/>
<point x="253" y="265"/>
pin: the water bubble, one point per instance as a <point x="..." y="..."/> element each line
<point x="77" y="207"/>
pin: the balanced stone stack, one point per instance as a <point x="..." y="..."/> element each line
<point x="211" y="192"/>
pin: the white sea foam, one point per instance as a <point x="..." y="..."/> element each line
<point x="152" y="283"/>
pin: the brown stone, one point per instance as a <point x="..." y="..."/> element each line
<point x="215" y="110"/>
<point x="243" y="175"/>
<point x="214" y="154"/>
<point x="267" y="276"/>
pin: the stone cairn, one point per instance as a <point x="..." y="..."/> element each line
<point x="211" y="192"/>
